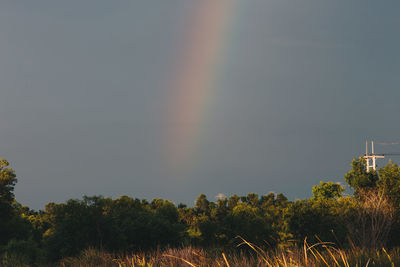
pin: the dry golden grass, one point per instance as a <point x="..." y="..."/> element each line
<point x="320" y="254"/>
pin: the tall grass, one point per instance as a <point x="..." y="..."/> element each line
<point x="320" y="254"/>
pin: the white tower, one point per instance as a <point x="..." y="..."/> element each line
<point x="372" y="156"/>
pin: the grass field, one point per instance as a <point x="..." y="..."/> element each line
<point x="321" y="254"/>
<point x="246" y="255"/>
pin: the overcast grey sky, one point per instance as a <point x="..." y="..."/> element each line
<point x="84" y="87"/>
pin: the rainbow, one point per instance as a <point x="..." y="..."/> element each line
<point x="196" y="80"/>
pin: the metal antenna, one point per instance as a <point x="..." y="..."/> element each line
<point x="366" y="155"/>
<point x="372" y="156"/>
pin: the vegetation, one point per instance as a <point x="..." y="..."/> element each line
<point x="99" y="231"/>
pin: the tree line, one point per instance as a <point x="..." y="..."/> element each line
<point x="369" y="218"/>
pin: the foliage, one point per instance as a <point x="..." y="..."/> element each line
<point x="374" y="219"/>
<point x="326" y="190"/>
<point x="320" y="219"/>
<point x="312" y="255"/>
<point x="23" y="252"/>
<point x="79" y="230"/>
<point x="7" y="182"/>
<point x="358" y="177"/>
<point x="389" y="182"/>
<point x="118" y="225"/>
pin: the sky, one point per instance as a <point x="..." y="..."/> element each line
<point x="171" y="99"/>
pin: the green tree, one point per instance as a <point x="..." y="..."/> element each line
<point x="248" y="222"/>
<point x="7" y="182"/>
<point x="320" y="219"/>
<point x="358" y="177"/>
<point x="233" y="201"/>
<point x="327" y="190"/>
<point x="267" y="200"/>
<point x="252" y="199"/>
<point x="281" y="199"/>
<point x="222" y="208"/>
<point x="202" y="204"/>
<point x="389" y="182"/>
<point x="7" y="215"/>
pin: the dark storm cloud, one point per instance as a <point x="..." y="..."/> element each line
<point x="83" y="96"/>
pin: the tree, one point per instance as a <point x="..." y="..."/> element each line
<point x="327" y="190"/>
<point x="202" y="204"/>
<point x="267" y="200"/>
<point x="281" y="199"/>
<point x="250" y="223"/>
<point x="374" y="219"/>
<point x="222" y="208"/>
<point x="252" y="199"/>
<point x="389" y="182"/>
<point x="320" y="219"/>
<point x="7" y="182"/>
<point x="233" y="201"/>
<point x="358" y="177"/>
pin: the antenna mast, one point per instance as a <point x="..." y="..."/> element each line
<point x="371" y="157"/>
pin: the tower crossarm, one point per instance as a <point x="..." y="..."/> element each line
<point x="371" y="157"/>
<point x="377" y="156"/>
<point x="390" y="154"/>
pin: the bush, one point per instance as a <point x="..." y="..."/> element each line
<point x="21" y="253"/>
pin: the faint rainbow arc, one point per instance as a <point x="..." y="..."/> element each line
<point x="198" y="71"/>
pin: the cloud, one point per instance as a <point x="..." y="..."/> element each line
<point x="220" y="196"/>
